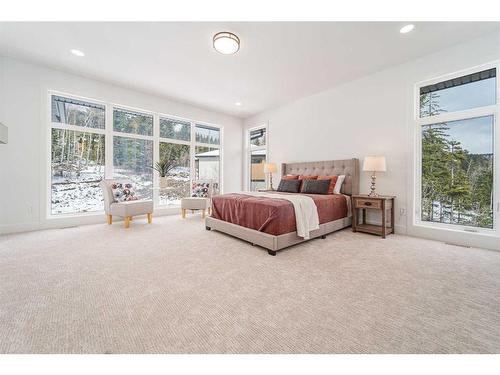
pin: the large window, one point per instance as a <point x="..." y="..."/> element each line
<point x="207" y="155"/>
<point x="77" y="156"/>
<point x="257" y="150"/>
<point x="133" y="149"/>
<point x="457" y="151"/>
<point x="175" y="152"/>
<point x="136" y="141"/>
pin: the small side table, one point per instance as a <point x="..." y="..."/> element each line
<point x="382" y="203"/>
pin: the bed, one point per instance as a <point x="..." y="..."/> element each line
<point x="270" y="222"/>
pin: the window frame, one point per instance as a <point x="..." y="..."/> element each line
<point x="109" y="134"/>
<point x="69" y="127"/>
<point x="248" y="154"/>
<point x="420" y="122"/>
<point x="219" y="146"/>
<point x="192" y="147"/>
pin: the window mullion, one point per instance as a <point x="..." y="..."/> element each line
<point x="108" y="152"/>
<point x="83" y="129"/>
<point x="176" y="141"/>
<point x="156" y="158"/>
<point x="192" y="149"/>
<point x="459" y="115"/>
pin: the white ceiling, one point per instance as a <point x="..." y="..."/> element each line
<point x="277" y="62"/>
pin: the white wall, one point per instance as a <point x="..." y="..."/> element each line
<point x="23" y="108"/>
<point x="374" y="115"/>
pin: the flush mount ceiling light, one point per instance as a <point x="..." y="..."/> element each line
<point x="407" y="29"/>
<point x="237" y="104"/>
<point x="77" y="52"/>
<point x="226" y="43"/>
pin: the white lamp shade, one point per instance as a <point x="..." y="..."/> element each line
<point x="374" y="164"/>
<point x="270" y="168"/>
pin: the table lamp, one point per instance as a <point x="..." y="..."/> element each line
<point x="270" y="168"/>
<point x="374" y="164"/>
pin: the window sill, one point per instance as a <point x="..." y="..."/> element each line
<point x="458" y="229"/>
<point x="75" y="215"/>
<point x="481" y="239"/>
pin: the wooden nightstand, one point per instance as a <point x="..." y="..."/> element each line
<point x="382" y="203"/>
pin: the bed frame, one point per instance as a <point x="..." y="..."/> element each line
<point x="348" y="167"/>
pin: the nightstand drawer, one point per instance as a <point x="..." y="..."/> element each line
<point x="368" y="203"/>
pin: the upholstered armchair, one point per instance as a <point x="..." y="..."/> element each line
<point x="200" y="199"/>
<point x="126" y="209"/>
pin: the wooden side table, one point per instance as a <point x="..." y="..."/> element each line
<point x="382" y="203"/>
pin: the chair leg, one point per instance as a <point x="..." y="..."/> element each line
<point x="183" y="213"/>
<point x="150" y="218"/>
<point x="110" y="219"/>
<point x="126" y="221"/>
<point x="202" y="214"/>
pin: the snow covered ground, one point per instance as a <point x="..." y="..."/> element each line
<point x="72" y="193"/>
<point x="178" y="187"/>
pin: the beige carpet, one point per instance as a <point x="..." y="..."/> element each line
<point x="173" y="287"/>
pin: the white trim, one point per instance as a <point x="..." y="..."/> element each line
<point x="207" y="145"/>
<point x="176" y="141"/>
<point x="419" y="122"/>
<point x="109" y="143"/>
<point x="139" y="111"/>
<point x="133" y="135"/>
<point x="83" y="129"/>
<point x="458" y="73"/>
<point x="156" y="158"/>
<point x="75" y="97"/>
<point x="458" y="115"/>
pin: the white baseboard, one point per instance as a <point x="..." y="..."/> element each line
<point x="19" y="227"/>
<point x="400" y="229"/>
<point x="65" y="222"/>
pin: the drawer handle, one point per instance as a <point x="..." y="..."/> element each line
<point x="368" y="203"/>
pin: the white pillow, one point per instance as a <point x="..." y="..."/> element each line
<point x="338" y="184"/>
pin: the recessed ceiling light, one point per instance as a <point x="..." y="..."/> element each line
<point x="238" y="104"/>
<point x="226" y="43"/>
<point x="77" y="52"/>
<point x="407" y="28"/>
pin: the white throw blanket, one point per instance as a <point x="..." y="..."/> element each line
<point x="306" y="212"/>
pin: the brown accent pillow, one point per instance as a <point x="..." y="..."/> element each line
<point x="290" y="177"/>
<point x="303" y="177"/>
<point x="333" y="181"/>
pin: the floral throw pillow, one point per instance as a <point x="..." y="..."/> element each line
<point x="123" y="192"/>
<point x="200" y="189"/>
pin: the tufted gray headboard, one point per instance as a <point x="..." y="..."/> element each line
<point x="348" y="167"/>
